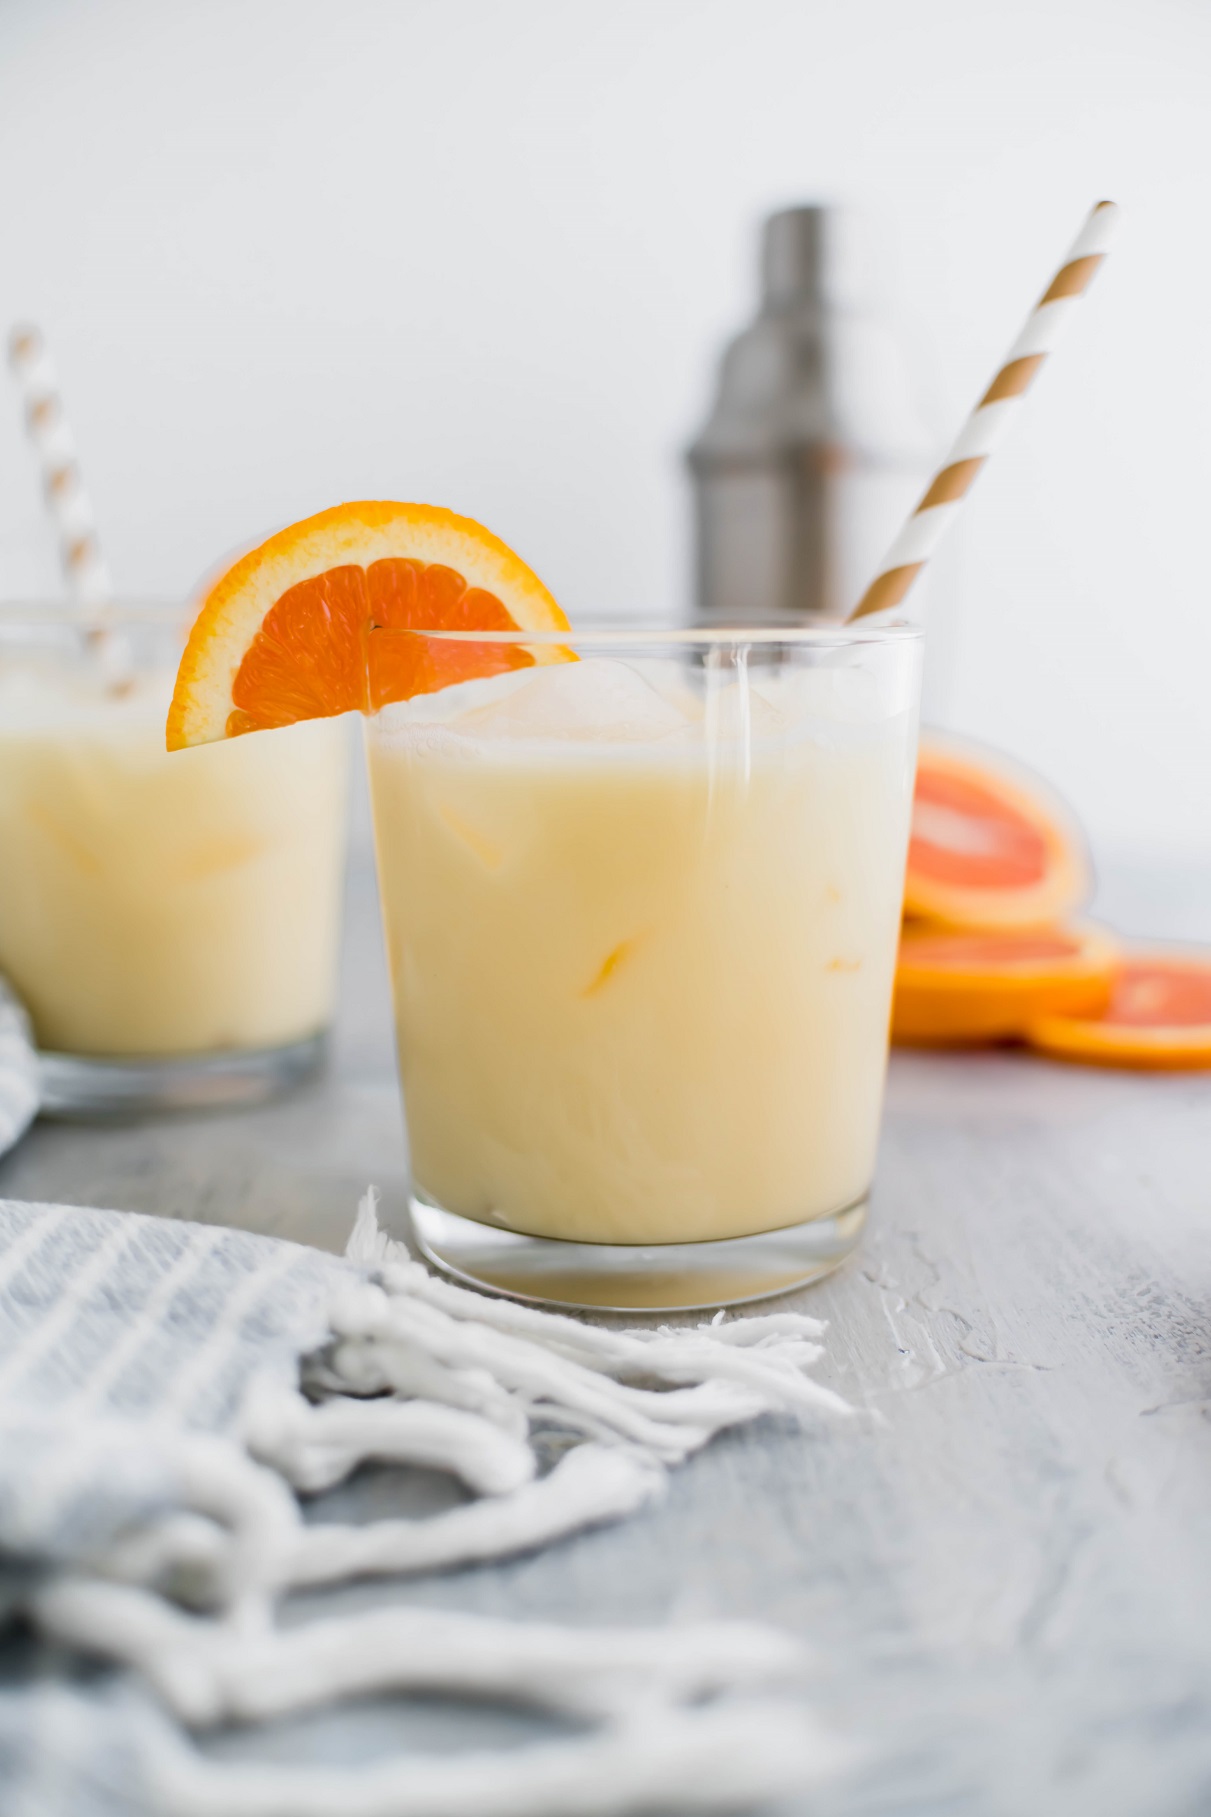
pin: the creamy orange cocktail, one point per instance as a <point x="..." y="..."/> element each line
<point x="152" y="908"/>
<point x="641" y="897"/>
<point x="641" y="919"/>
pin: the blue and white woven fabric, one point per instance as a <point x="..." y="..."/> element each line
<point x="19" y="1083"/>
<point x="169" y="1390"/>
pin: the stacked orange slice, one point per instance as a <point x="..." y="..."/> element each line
<point x="991" y="846"/>
<point x="286" y="633"/>
<point x="954" y="988"/>
<point x="1158" y="1018"/>
<point x="996" y="865"/>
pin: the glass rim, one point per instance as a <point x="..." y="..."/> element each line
<point x="649" y="636"/>
<point x="615" y="634"/>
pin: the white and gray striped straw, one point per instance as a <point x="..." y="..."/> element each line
<point x="991" y="416"/>
<point x="68" y="501"/>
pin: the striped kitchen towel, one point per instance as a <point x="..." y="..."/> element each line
<point x="20" y="1088"/>
<point x="168" y="1391"/>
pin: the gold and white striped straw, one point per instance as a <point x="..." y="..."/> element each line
<point x="67" y="499"/>
<point x="991" y="416"/>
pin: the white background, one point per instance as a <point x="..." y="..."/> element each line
<point x="485" y="252"/>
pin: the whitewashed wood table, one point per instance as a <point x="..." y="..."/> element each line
<point x="1005" y="1569"/>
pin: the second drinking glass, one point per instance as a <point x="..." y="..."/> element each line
<point x="169" y="921"/>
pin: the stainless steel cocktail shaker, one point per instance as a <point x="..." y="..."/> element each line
<point x="814" y="450"/>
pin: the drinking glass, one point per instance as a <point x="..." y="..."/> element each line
<point x="641" y="892"/>
<point x="170" y="922"/>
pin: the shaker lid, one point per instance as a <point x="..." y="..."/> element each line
<point x="816" y="253"/>
<point x="819" y="368"/>
<point x="792" y="255"/>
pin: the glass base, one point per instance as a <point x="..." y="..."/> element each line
<point x="83" y="1085"/>
<point x="608" y="1277"/>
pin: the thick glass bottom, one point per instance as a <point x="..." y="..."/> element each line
<point x="609" y="1277"/>
<point x="83" y="1085"/>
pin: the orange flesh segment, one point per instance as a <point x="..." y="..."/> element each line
<point x="314" y="655"/>
<point x="964" y="833"/>
<point x="990" y="845"/>
<point x="1158" y="1018"/>
<point x="1162" y="995"/>
<point x="960" y="988"/>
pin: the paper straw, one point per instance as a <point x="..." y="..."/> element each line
<point x="991" y="416"/>
<point x="67" y="500"/>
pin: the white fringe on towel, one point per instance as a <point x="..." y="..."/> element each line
<point x="208" y="1672"/>
<point x="723" y="1758"/>
<point x="421" y="1372"/>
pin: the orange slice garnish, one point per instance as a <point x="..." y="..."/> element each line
<point x="991" y="845"/>
<point x="1158" y="1018"/>
<point x="285" y="633"/>
<point x="960" y="988"/>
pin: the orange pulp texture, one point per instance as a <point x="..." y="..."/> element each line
<point x="1010" y="852"/>
<point x="313" y="655"/>
<point x="990" y="847"/>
